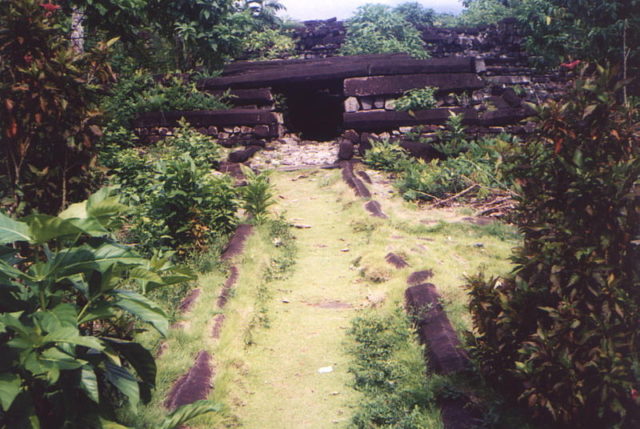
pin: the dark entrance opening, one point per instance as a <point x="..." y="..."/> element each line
<point x="315" y="110"/>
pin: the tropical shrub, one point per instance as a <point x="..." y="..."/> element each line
<point x="69" y="294"/>
<point x="268" y="44"/>
<point x="257" y="194"/>
<point x="386" y="155"/>
<point x="561" y="334"/>
<point x="417" y="99"/>
<point x="377" y="29"/>
<point x="204" y="151"/>
<point x="48" y="114"/>
<point x="416" y="14"/>
<point x="138" y="93"/>
<point x="183" y="207"/>
<point x="453" y="139"/>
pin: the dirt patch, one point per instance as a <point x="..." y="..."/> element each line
<point x="236" y="244"/>
<point x="189" y="300"/>
<point x="194" y="385"/>
<point x="419" y="277"/>
<point x="217" y="326"/>
<point x="333" y="305"/>
<point x="396" y="260"/>
<point x="375" y="209"/>
<point x="354" y="183"/>
<point x="226" y="289"/>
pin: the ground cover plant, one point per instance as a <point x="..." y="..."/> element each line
<point x="417" y="99"/>
<point x="560" y="333"/>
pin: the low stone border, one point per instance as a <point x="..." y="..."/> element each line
<point x="375" y="209"/>
<point x="194" y="385"/>
<point x="354" y="183"/>
<point x="396" y="260"/>
<point x="443" y="350"/>
<point x="236" y="244"/>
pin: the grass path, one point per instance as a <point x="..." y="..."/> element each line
<point x="340" y="270"/>
<point x="278" y="333"/>
<point x="309" y="313"/>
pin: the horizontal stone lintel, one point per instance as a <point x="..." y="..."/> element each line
<point x="205" y="118"/>
<point x="398" y="84"/>
<point x="386" y="120"/>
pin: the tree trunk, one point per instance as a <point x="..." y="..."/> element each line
<point x="77" y="30"/>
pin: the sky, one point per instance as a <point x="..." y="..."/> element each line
<point x="323" y="9"/>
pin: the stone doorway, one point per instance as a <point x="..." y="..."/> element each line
<point x="314" y="111"/>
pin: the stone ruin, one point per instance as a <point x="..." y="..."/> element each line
<point x="481" y="73"/>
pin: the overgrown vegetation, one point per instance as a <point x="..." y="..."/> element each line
<point x="468" y="163"/>
<point x="68" y="356"/>
<point x="560" y="334"/>
<point x="388" y="368"/>
<point x="378" y="29"/>
<point x="417" y="99"/>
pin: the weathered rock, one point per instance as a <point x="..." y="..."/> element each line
<point x="189" y="300"/>
<point x="396" y="260"/>
<point x="345" y="151"/>
<point x="366" y="103"/>
<point x="352" y="136"/>
<point x="419" y="277"/>
<point x="444" y="349"/>
<point x="351" y="104"/>
<point x="243" y="155"/>
<point x="194" y="385"/>
<point x="206" y="118"/>
<point x="236" y="244"/>
<point x="262" y="131"/>
<point x="422" y="151"/>
<point x="383" y="119"/>
<point x="365" y="176"/>
<point x="228" y="285"/>
<point x="375" y="209"/>
<point x="356" y="184"/>
<point x="398" y="84"/>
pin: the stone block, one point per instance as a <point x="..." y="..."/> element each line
<point x="262" y="131"/>
<point x="378" y="102"/>
<point x="366" y="103"/>
<point x="346" y="150"/>
<point x="390" y="104"/>
<point x="351" y="104"/>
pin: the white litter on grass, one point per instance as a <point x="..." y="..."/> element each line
<point x="325" y="369"/>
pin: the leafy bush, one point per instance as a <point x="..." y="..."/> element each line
<point x="388" y="368"/>
<point x="256" y="194"/>
<point x="204" y="151"/>
<point x="417" y="99"/>
<point x="561" y="333"/>
<point x="377" y="29"/>
<point x="48" y="112"/>
<point x="268" y="44"/>
<point x="67" y="357"/>
<point x="386" y="155"/>
<point x="138" y="93"/>
<point x="416" y="14"/>
<point x="481" y="164"/>
<point x="184" y="207"/>
<point x="453" y="140"/>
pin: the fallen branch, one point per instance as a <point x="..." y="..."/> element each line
<point x="458" y="195"/>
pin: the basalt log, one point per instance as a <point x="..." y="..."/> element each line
<point x="383" y="119"/>
<point x="244" y="97"/>
<point x="206" y="118"/>
<point x="286" y="73"/>
<point x="397" y="85"/>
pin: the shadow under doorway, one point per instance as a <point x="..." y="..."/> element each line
<point x="314" y="112"/>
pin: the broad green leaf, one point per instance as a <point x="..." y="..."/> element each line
<point x="9" y="389"/>
<point x="53" y="358"/>
<point x="70" y="335"/>
<point x="185" y="413"/>
<point x="84" y="259"/>
<point x="139" y="357"/>
<point x="124" y="382"/>
<point x="89" y="383"/>
<point x="108" y="424"/>
<point x="100" y="311"/>
<point x="60" y="316"/>
<point x="45" y="228"/>
<point x="142" y="308"/>
<point x="13" y="230"/>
